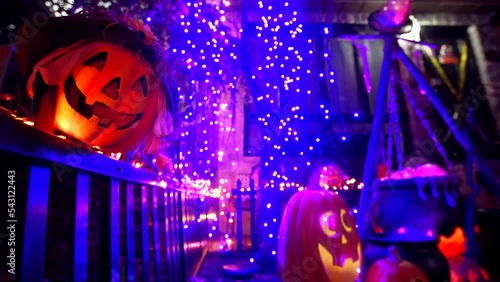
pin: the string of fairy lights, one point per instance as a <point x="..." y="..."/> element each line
<point x="279" y="72"/>
<point x="289" y="79"/>
<point x="200" y="41"/>
<point x="203" y="42"/>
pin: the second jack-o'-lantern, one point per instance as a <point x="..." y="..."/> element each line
<point x="107" y="96"/>
<point x="394" y="269"/>
<point x="318" y="239"/>
<point x="326" y="176"/>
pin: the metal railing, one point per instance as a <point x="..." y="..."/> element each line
<point x="82" y="216"/>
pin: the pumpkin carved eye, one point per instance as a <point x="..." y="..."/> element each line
<point x="111" y="89"/>
<point x="141" y="85"/>
<point x="346" y="223"/>
<point x="97" y="61"/>
<point x="329" y="224"/>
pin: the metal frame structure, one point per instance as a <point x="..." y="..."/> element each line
<point x="393" y="51"/>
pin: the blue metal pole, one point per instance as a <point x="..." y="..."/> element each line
<point x="461" y="135"/>
<point x="377" y="130"/>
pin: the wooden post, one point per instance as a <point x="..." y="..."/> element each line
<point x="239" y="216"/>
<point x="253" y="231"/>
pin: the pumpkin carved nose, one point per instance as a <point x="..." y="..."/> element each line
<point x="111" y="89"/>
<point x="344" y="239"/>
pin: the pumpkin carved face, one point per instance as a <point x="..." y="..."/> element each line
<point x="107" y="96"/>
<point x="318" y="239"/>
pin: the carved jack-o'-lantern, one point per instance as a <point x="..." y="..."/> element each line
<point x="97" y="79"/>
<point x="107" y="96"/>
<point x="318" y="239"/>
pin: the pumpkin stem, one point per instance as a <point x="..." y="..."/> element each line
<point x="393" y="255"/>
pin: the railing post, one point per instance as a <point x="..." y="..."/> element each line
<point x="168" y="235"/>
<point x="81" y="228"/>
<point x="162" y="230"/>
<point x="114" y="227"/>
<point x="156" y="232"/>
<point x="144" y="233"/>
<point x="181" y="237"/>
<point x="130" y="239"/>
<point x="36" y="223"/>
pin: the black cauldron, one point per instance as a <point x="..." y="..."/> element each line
<point x="417" y="209"/>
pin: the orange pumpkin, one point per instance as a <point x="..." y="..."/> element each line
<point x="318" y="239"/>
<point x="107" y="96"/>
<point x="326" y="176"/>
<point x="394" y="269"/>
<point x="332" y="176"/>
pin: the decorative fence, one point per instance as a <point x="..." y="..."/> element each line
<point x="77" y="215"/>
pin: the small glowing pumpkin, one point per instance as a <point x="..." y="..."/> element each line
<point x="326" y="176"/>
<point x="394" y="269"/>
<point x="107" y="96"/>
<point x="318" y="239"/>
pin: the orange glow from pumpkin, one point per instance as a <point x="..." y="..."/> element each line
<point x="332" y="241"/>
<point x="454" y="245"/>
<point x="347" y="272"/>
<point x="107" y="96"/>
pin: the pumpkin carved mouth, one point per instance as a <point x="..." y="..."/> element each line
<point x="77" y="100"/>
